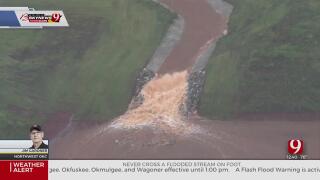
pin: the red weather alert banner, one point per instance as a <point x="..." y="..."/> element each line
<point x="26" y="170"/>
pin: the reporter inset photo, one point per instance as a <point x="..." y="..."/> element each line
<point x="36" y="135"/>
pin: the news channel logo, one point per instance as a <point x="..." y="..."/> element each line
<point x="295" y="149"/>
<point x="36" y="18"/>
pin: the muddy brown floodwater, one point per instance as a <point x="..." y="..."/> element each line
<point x="202" y="23"/>
<point x="157" y="130"/>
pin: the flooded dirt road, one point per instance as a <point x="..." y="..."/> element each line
<point x="197" y="139"/>
<point x="202" y="23"/>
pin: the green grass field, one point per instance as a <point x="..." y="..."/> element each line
<point x="269" y="62"/>
<point x="88" y="69"/>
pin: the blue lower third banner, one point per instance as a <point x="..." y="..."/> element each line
<point x="8" y="18"/>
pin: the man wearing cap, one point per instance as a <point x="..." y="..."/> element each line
<point x="36" y="135"/>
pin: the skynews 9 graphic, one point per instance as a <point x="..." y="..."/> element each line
<point x="24" y="17"/>
<point x="36" y="18"/>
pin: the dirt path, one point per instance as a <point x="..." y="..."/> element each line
<point x="202" y="23"/>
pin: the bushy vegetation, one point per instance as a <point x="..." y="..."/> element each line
<point x="269" y="61"/>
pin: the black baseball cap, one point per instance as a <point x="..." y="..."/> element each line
<point x="35" y="127"/>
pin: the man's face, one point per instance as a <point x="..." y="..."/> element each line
<point x="36" y="136"/>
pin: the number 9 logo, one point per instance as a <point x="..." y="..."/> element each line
<point x="55" y="17"/>
<point x="295" y="146"/>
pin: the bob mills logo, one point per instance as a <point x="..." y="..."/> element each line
<point x="41" y="18"/>
<point x="295" y="149"/>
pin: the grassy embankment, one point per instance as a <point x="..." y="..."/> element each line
<point x="269" y="62"/>
<point x="88" y="69"/>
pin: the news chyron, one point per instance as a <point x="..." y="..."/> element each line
<point x="22" y="150"/>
